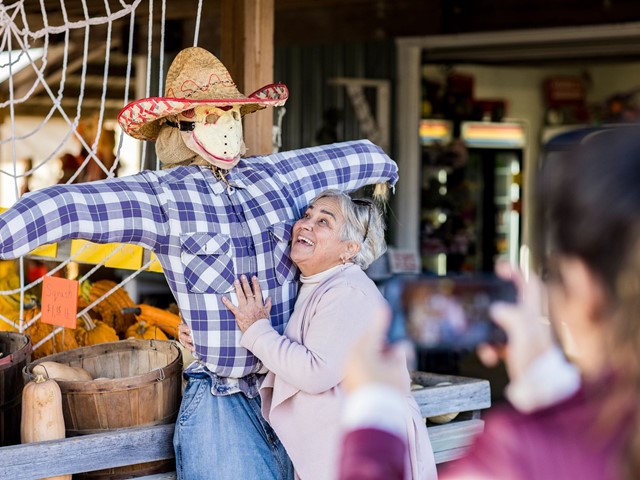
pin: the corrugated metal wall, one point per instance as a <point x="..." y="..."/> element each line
<point x="306" y="70"/>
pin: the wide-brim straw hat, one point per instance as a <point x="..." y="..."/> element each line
<point x="195" y="78"/>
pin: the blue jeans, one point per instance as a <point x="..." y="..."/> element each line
<point x="225" y="437"/>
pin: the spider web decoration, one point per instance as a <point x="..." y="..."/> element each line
<point x="66" y="69"/>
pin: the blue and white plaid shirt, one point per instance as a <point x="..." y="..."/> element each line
<point x="204" y="232"/>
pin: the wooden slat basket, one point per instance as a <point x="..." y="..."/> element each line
<point x="15" y="350"/>
<point x="136" y="382"/>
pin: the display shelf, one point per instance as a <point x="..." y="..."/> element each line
<point x="129" y="257"/>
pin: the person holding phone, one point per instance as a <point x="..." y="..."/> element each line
<point x="590" y="214"/>
<point x="334" y="241"/>
<point x="586" y="424"/>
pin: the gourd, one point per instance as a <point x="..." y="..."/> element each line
<point x="94" y="332"/>
<point x="42" y="417"/>
<point x="110" y="308"/>
<point x="60" y="371"/>
<point x="167" y="321"/>
<point x="38" y="330"/>
<point x="445" y="417"/>
<point x="145" y="331"/>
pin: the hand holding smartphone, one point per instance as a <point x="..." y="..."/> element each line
<point x="446" y="313"/>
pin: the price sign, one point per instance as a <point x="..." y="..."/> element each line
<point x="59" y="301"/>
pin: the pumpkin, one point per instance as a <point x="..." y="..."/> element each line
<point x="38" y="330"/>
<point x="93" y="332"/>
<point x="145" y="331"/>
<point x="60" y="371"/>
<point x="42" y="417"/>
<point x="165" y="320"/>
<point x="110" y="309"/>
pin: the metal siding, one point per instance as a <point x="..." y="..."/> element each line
<point x="306" y="71"/>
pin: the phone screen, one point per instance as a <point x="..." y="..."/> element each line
<point x="446" y="313"/>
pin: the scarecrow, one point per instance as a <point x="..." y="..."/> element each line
<point x="210" y="218"/>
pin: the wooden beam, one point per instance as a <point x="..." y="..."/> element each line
<point x="246" y="48"/>
<point x="85" y="453"/>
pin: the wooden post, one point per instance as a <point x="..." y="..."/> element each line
<point x="407" y="198"/>
<point x="246" y="49"/>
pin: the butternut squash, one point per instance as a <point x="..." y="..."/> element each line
<point x="42" y="417"/>
<point x="60" y="371"/>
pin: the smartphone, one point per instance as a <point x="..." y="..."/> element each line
<point x="446" y="313"/>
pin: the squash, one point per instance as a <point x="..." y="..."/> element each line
<point x="60" y="371"/>
<point x="6" y="326"/>
<point x="445" y="417"/>
<point x="94" y="332"/>
<point x="110" y="309"/>
<point x="38" y="330"/>
<point x="42" y="417"/>
<point x="164" y="319"/>
<point x="145" y="331"/>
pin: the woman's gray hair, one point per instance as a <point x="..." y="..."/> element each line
<point x="363" y="225"/>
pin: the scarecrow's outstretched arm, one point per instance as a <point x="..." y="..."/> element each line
<point x="124" y="210"/>
<point x="345" y="166"/>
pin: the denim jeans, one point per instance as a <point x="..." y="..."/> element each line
<point x="225" y="437"/>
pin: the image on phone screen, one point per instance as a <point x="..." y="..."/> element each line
<point x="442" y="313"/>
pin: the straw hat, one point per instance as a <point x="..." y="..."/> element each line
<point x="195" y="78"/>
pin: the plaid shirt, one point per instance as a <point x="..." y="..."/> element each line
<point x="204" y="232"/>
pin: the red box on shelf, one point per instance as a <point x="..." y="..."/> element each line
<point x="564" y="91"/>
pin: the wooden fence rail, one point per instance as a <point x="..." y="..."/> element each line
<point x="131" y="446"/>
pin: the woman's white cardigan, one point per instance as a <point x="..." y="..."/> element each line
<point x="301" y="394"/>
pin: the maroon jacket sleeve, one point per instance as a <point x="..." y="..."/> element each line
<point x="372" y="454"/>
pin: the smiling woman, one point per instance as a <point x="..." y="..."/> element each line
<point x="332" y="243"/>
<point x="335" y="230"/>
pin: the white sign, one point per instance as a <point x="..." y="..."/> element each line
<point x="404" y="261"/>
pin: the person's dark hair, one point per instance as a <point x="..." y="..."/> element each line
<point x="589" y="208"/>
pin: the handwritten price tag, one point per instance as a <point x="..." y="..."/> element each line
<point x="59" y="301"/>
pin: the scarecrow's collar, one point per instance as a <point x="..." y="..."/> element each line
<point x="224" y="178"/>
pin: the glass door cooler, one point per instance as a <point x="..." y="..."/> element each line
<point x="471" y="195"/>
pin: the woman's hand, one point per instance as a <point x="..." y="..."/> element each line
<point x="185" y="338"/>
<point x="251" y="307"/>
<point x="528" y="336"/>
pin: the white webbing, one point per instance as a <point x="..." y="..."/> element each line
<point x="68" y="44"/>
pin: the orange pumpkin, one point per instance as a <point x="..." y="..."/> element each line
<point x="164" y="319"/>
<point x="145" y="331"/>
<point x="93" y="332"/>
<point x="38" y="330"/>
<point x="110" y="308"/>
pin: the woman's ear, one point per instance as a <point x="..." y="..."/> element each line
<point x="582" y="287"/>
<point x="352" y="250"/>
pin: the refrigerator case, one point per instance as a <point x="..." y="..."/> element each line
<point x="471" y="198"/>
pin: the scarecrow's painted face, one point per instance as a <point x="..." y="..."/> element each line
<point x="216" y="134"/>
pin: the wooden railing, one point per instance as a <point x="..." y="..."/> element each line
<point x="130" y="446"/>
